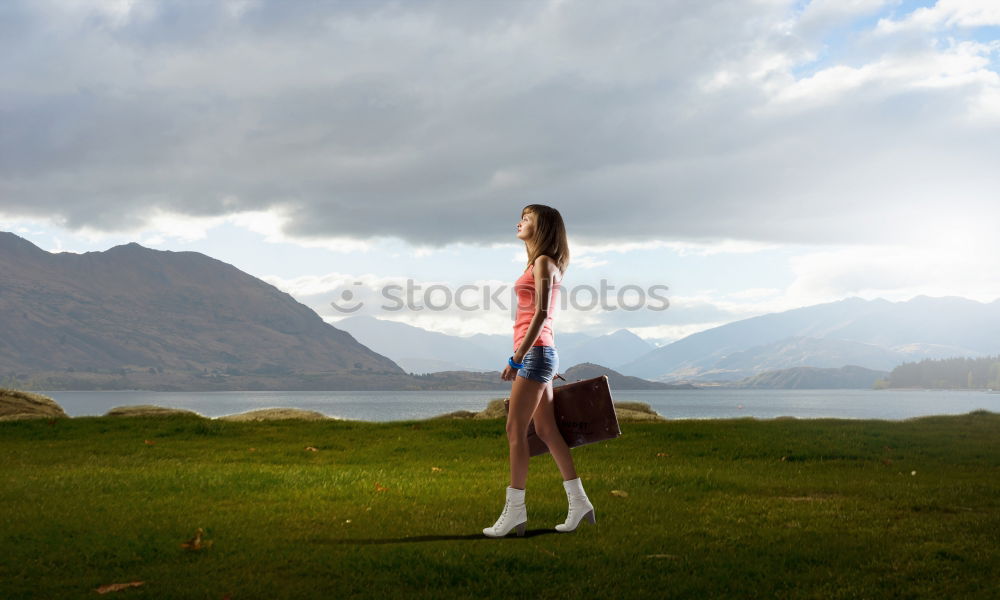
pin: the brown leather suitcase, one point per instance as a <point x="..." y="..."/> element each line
<point x="584" y="411"/>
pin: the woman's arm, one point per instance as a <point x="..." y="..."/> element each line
<point x="545" y="272"/>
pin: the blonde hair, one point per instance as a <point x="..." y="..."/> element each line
<point x="550" y="236"/>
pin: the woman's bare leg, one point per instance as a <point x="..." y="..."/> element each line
<point x="544" y="418"/>
<point x="525" y="395"/>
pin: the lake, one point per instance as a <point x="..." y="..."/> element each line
<point x="673" y="404"/>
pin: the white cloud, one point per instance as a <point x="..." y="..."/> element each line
<point x="985" y="108"/>
<point x="426" y="122"/>
<point x="163" y="224"/>
<point x="586" y="262"/>
<point x="945" y="14"/>
<point x="727" y="307"/>
<point x="891" y="272"/>
<point x="832" y="11"/>
<point x="754" y="293"/>
<point x="722" y="246"/>
<point x="271" y="224"/>
<point x="676" y="126"/>
<point x="964" y="64"/>
<point x="671" y="333"/>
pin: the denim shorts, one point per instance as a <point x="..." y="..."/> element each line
<point x="540" y="363"/>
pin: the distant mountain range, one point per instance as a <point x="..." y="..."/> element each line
<point x="441" y="352"/>
<point x="874" y="334"/>
<point x="136" y="318"/>
<point x="616" y="381"/>
<point x="478" y="380"/>
<point x="804" y="378"/>
<point x="132" y="317"/>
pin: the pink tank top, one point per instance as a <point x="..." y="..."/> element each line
<point x="525" y="289"/>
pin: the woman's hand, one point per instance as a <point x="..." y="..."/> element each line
<point x="509" y="372"/>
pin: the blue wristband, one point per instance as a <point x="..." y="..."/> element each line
<point x="510" y="361"/>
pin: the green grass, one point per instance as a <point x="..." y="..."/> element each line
<point x="781" y="508"/>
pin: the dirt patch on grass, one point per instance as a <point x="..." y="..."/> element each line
<point x="809" y="498"/>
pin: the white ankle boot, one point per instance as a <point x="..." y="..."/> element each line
<point x="579" y="506"/>
<point x="515" y="514"/>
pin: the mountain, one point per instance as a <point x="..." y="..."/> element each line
<point x="804" y="378"/>
<point x="619" y="347"/>
<point x="159" y="314"/>
<point x="490" y="380"/>
<point x="800" y="351"/>
<point x="419" y="350"/>
<point x="867" y="333"/>
<point x="132" y="317"/>
<point x="616" y="381"/>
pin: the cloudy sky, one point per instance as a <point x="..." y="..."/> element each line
<point x="752" y="155"/>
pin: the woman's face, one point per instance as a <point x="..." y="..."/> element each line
<point x="526" y="228"/>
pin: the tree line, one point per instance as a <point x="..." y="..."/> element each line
<point x="958" y="372"/>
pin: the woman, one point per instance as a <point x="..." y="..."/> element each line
<point x="531" y="369"/>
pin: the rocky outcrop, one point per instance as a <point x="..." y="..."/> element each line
<point x="494" y="410"/>
<point x="16" y="405"/>
<point x="147" y="410"/>
<point x="637" y="411"/>
<point x="275" y="414"/>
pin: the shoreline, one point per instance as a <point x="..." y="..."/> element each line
<point x="286" y="415"/>
<point x="18" y="404"/>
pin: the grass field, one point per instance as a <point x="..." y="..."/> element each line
<point x="714" y="508"/>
